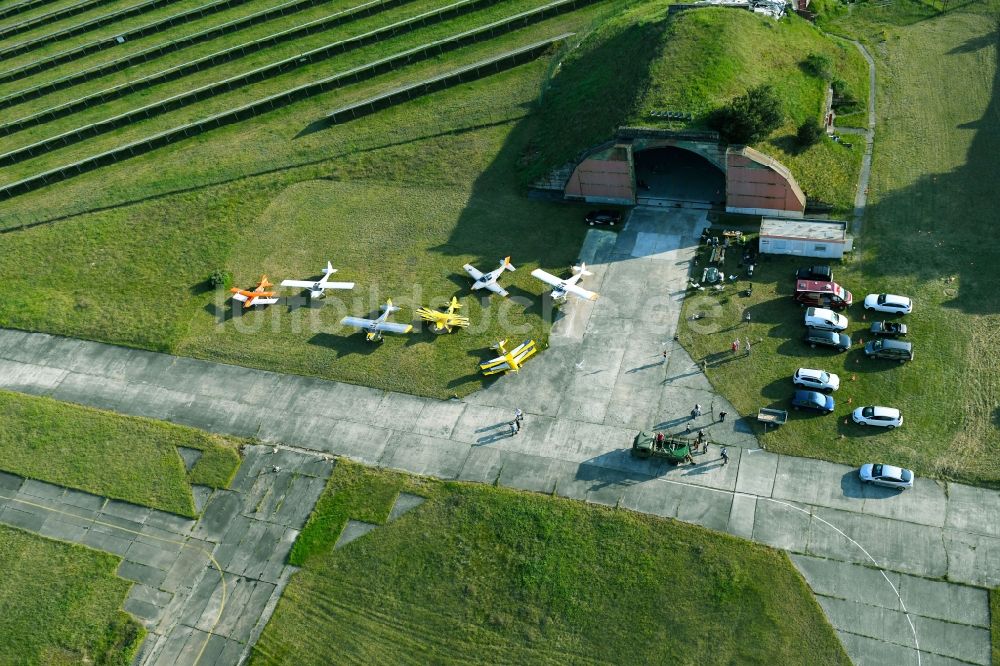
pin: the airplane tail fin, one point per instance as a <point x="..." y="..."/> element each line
<point x="330" y="270"/>
<point x="454" y="305"/>
<point x="389" y="307"/>
<point x="506" y="264"/>
<point x="581" y="269"/>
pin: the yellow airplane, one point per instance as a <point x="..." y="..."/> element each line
<point x="509" y="360"/>
<point x="443" y="322"/>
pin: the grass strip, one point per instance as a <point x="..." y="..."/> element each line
<point x="477" y="571"/>
<point x="86" y="26"/>
<point x="269" y="103"/>
<point x="245" y="49"/>
<point x="25" y="25"/>
<point x="159" y="50"/>
<point x="106" y="454"/>
<point x="62" y="604"/>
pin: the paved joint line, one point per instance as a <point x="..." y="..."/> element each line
<point x="182" y="544"/>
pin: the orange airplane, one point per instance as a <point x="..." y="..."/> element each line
<point x="256" y="297"/>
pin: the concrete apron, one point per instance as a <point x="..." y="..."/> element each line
<point x="601" y="380"/>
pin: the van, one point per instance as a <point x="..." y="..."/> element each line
<point x="822" y="294"/>
<point x="824" y="319"/>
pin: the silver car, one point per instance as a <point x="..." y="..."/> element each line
<point x="886" y="475"/>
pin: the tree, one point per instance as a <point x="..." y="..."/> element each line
<point x="808" y="133"/>
<point x="750" y="117"/>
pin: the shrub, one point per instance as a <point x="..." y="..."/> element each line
<point x="220" y="279"/>
<point x="808" y="133"/>
<point x="750" y="117"/>
<point x="819" y="65"/>
<point x="844" y="100"/>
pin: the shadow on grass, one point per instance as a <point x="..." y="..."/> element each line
<point x="345" y="345"/>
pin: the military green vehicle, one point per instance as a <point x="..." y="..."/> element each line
<point x="654" y="445"/>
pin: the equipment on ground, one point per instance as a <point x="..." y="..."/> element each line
<point x="509" y="361"/>
<point x="257" y="296"/>
<point x="674" y="450"/>
<point x="375" y="327"/>
<point x="562" y="288"/>
<point x="489" y="280"/>
<point x="444" y="322"/>
<point x="317" y="289"/>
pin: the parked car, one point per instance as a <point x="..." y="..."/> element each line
<point x="895" y="350"/>
<point x="604" y="217"/>
<point x="817" y="380"/>
<point x="814" y="400"/>
<point x="873" y="415"/>
<point x="820" y="273"/>
<point x="886" y="475"/>
<point x="822" y="294"/>
<point x="888" y="329"/>
<point x="888" y="303"/>
<point x="824" y="319"/>
<point x="815" y="337"/>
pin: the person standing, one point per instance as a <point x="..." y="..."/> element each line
<point x="722" y="417"/>
<point x="748" y="346"/>
<point x="518" y="415"/>
<point x="725" y="455"/>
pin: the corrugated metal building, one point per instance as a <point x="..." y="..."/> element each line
<point x="826" y="239"/>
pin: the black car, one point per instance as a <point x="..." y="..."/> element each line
<point x="818" y="273"/>
<point x="888" y="329"/>
<point x="816" y="337"/>
<point x="605" y="217"/>
<point x="895" y="350"/>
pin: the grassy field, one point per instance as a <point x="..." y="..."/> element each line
<point x="490" y="575"/>
<point x="643" y="61"/>
<point x="126" y="458"/>
<point x="995" y="623"/>
<point x="928" y="217"/>
<point x="62" y="604"/>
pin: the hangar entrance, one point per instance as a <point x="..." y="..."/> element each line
<point x="674" y="174"/>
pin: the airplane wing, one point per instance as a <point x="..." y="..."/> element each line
<point x="473" y="271"/>
<point x="496" y="289"/>
<point x="338" y="285"/>
<point x="240" y="297"/>
<point x="580" y="291"/>
<point x="357" y="322"/>
<point x="393" y="327"/>
<point x="494" y="366"/>
<point x="523" y="351"/>
<point x="264" y="301"/>
<point x="305" y="284"/>
<point x="547" y="278"/>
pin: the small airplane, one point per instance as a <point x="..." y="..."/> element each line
<point x="562" y="288"/>
<point x="509" y="360"/>
<point x="443" y="322"/>
<point x="256" y="297"/>
<point x="489" y="280"/>
<point x="318" y="289"/>
<point x="374" y="327"/>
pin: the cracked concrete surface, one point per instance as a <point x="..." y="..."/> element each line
<point x="600" y="381"/>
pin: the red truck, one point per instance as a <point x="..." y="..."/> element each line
<point x="822" y="294"/>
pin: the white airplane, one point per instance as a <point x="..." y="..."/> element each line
<point x="569" y="286"/>
<point x="374" y="327"/>
<point x="489" y="280"/>
<point x="318" y="289"/>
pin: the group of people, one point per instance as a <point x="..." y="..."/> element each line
<point x="736" y="346"/>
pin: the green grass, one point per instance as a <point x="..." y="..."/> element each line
<point x="926" y="234"/>
<point x="62" y="604"/>
<point x="440" y="216"/>
<point x="487" y="575"/>
<point x="126" y="458"/>
<point x="695" y="62"/>
<point x="995" y="624"/>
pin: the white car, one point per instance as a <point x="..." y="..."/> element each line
<point x="873" y="415"/>
<point x="888" y="303"/>
<point x="817" y="380"/>
<point x="886" y="475"/>
<point x="825" y="320"/>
